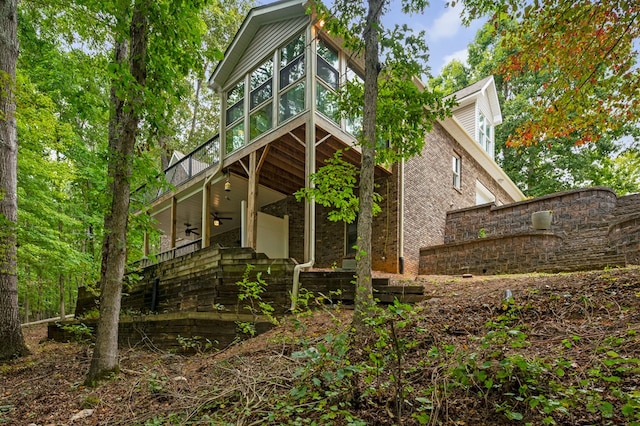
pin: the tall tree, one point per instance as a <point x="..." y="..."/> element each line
<point x="396" y="110"/>
<point x="10" y="330"/>
<point x="123" y="130"/>
<point x="155" y="44"/>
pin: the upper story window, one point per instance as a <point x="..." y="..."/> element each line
<point x="353" y="125"/>
<point x="254" y="103"/>
<point x="328" y="66"/>
<point x="456" y="171"/>
<point x="235" y="117"/>
<point x="292" y="72"/>
<point x="334" y="69"/>
<point x="485" y="134"/>
<point x="261" y="112"/>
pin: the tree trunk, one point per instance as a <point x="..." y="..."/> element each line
<point x="10" y="330"/>
<point x="123" y="130"/>
<point x="26" y="306"/>
<point x="61" y="286"/>
<point x="364" y="289"/>
<point x="61" y="281"/>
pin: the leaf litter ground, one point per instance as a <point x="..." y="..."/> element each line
<point x="580" y="318"/>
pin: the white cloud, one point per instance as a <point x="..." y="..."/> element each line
<point x="446" y="25"/>
<point x="461" y="55"/>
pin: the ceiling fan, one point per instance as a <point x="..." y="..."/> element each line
<point x="217" y="220"/>
<point x="189" y="230"/>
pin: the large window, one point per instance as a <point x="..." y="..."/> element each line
<point x="350" y="237"/>
<point x="353" y="124"/>
<point x="256" y="102"/>
<point x="456" y="171"/>
<point x="292" y="72"/>
<point x="485" y="135"/>
<point x="328" y="80"/>
<point x="261" y="113"/>
<point x="235" y="115"/>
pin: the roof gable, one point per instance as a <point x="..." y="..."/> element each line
<point x="257" y="18"/>
<point x="484" y="90"/>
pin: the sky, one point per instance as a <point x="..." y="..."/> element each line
<point x="447" y="38"/>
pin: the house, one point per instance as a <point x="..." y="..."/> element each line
<point x="278" y="126"/>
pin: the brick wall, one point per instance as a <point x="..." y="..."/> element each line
<point x="330" y="236"/>
<point x="591" y="228"/>
<point x="429" y="192"/>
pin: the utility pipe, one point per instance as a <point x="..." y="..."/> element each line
<point x="312" y="254"/>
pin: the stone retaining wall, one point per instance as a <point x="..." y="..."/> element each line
<point x="591" y="228"/>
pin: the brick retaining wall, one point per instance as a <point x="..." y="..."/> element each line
<point x="591" y="229"/>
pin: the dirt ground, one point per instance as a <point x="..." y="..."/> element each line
<point x="46" y="388"/>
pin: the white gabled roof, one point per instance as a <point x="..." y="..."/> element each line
<point x="485" y="88"/>
<point x="258" y="16"/>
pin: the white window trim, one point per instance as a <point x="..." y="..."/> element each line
<point x="456" y="166"/>
<point x="487" y="143"/>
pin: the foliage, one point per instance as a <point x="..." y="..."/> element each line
<point x="585" y="58"/>
<point x="251" y="291"/>
<point x="196" y="344"/>
<point x="558" y="164"/>
<point x="80" y="332"/>
<point x="335" y="185"/>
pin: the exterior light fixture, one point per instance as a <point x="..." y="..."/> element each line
<point x="216" y="222"/>
<point x="227" y="184"/>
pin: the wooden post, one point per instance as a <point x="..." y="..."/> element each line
<point x="206" y="216"/>
<point x="172" y="232"/>
<point x="252" y="202"/>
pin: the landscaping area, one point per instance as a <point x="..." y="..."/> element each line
<point x="520" y="349"/>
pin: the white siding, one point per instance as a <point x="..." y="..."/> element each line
<point x="467" y="118"/>
<point x="266" y="40"/>
<point x="483" y="106"/>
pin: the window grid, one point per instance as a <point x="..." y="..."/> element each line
<point x="456" y="163"/>
<point x="289" y="68"/>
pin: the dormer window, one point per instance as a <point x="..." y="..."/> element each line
<point x="485" y="134"/>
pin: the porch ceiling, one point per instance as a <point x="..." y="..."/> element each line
<point x="282" y="173"/>
<point x="283" y="167"/>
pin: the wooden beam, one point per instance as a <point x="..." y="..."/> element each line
<point x="263" y="157"/>
<point x="252" y="202"/>
<point x="145" y="245"/>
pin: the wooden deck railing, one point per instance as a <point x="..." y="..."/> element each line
<point x="173" y="253"/>
<point x="188" y="167"/>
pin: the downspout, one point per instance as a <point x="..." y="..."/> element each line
<point x="311" y="165"/>
<point x="401" y="218"/>
<point x="312" y="254"/>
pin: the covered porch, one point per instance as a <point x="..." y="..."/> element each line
<point x="233" y="203"/>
